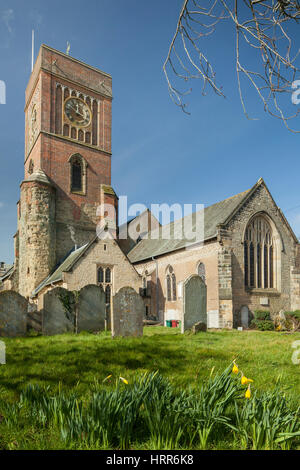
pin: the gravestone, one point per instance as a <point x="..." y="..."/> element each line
<point x="13" y="314"/>
<point x="2" y="353"/>
<point x="91" y="309"/>
<point x="127" y="314"/>
<point x="200" y="326"/>
<point x="245" y="317"/>
<point x="194" y="303"/>
<point x="56" y="317"/>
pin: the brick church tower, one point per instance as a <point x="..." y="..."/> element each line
<point x="67" y="163"/>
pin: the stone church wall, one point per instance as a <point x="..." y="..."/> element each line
<point x="184" y="263"/>
<point x="225" y="287"/>
<point x="255" y="299"/>
<point x="36" y="235"/>
<point x="103" y="253"/>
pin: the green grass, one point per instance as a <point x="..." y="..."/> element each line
<point x="76" y="362"/>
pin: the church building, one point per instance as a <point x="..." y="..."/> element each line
<point x="248" y="258"/>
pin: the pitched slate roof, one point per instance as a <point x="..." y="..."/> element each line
<point x="7" y="273"/>
<point x="57" y="274"/>
<point x="214" y="215"/>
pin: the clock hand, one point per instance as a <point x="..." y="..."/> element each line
<point x="76" y="111"/>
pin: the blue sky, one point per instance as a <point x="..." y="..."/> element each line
<point x="159" y="153"/>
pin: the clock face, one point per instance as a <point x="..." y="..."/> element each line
<point x="78" y="112"/>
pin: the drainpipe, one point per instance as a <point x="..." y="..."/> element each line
<point x="157" y="298"/>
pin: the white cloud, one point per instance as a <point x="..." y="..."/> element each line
<point x="1" y="204"/>
<point x="7" y="16"/>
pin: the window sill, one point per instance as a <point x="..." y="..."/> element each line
<point x="261" y="292"/>
<point x="79" y="193"/>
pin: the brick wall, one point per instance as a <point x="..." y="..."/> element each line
<point x="184" y="263"/>
<point x="71" y="218"/>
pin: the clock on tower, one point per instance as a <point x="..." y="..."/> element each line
<point x="67" y="161"/>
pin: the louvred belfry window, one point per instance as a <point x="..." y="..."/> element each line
<point x="78" y="167"/>
<point x="76" y="176"/>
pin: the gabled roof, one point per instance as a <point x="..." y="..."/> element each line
<point x="8" y="273"/>
<point x="214" y="215"/>
<point x="71" y="259"/>
<point x="57" y="274"/>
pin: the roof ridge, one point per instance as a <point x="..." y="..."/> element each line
<point x="192" y="213"/>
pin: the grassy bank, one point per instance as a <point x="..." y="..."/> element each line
<point x="77" y="362"/>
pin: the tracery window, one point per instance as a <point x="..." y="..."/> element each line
<point x="171" y="285"/>
<point x="174" y="288"/>
<point x="259" y="254"/>
<point x="108" y="295"/>
<point x="100" y="275"/>
<point x="104" y="278"/>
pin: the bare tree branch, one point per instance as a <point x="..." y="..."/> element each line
<point x="262" y="25"/>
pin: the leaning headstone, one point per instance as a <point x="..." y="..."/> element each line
<point x="200" y="326"/>
<point x="13" y="314"/>
<point x="58" y="315"/>
<point x="127" y="314"/>
<point x="194" y="302"/>
<point x="91" y="309"/>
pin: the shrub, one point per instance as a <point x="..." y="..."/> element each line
<point x="263" y="325"/>
<point x="292" y="320"/>
<point x="262" y="315"/>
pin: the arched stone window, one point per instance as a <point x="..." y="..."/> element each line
<point x="100" y="275"/>
<point x="171" y="284"/>
<point x="108" y="295"/>
<point x="108" y="275"/>
<point x="259" y="254"/>
<point x="201" y="271"/>
<point x="174" y="288"/>
<point x="104" y="278"/>
<point x="169" y="290"/>
<point x="78" y="167"/>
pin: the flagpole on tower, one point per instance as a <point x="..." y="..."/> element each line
<point x="32" y="55"/>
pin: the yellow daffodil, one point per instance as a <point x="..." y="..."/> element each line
<point x="244" y="380"/>
<point x="235" y="369"/>
<point x="107" y="378"/>
<point x="124" y="380"/>
<point x="248" y="392"/>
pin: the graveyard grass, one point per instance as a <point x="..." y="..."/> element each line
<point x="75" y="362"/>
